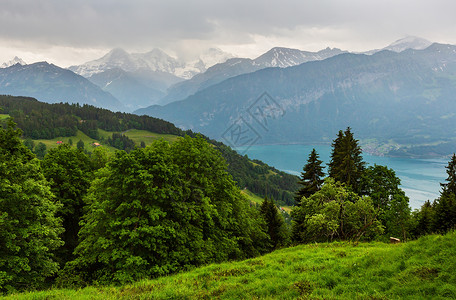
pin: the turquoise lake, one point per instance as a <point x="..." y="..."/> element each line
<point x="420" y="178"/>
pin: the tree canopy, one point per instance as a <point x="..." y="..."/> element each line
<point x="29" y="230"/>
<point x="334" y="213"/>
<point x="162" y="208"/>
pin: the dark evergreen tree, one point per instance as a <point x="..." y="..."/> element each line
<point x="311" y="177"/>
<point x="450" y="186"/>
<point x="80" y="145"/>
<point x="40" y="150"/>
<point x="30" y="144"/>
<point x="445" y="213"/>
<point x="445" y="205"/>
<point x="424" y="219"/>
<point x="347" y="165"/>
<point x="275" y="224"/>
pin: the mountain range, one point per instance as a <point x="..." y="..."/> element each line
<point x="399" y="99"/>
<point x="138" y="80"/>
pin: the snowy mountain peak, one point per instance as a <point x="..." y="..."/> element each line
<point x="116" y="54"/>
<point x="155" y="60"/>
<point x="409" y="42"/>
<point x="14" y="61"/>
<point x="287" y="57"/>
<point x="213" y="56"/>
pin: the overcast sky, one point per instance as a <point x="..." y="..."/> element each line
<point x="72" y="32"/>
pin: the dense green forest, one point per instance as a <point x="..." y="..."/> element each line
<point x="40" y="120"/>
<point x="77" y="218"/>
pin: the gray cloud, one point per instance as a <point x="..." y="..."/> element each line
<point x="249" y="25"/>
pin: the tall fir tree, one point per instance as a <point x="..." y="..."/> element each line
<point x="445" y="205"/>
<point x="347" y="165"/>
<point x="275" y="223"/>
<point x="450" y="186"/>
<point x="311" y="177"/>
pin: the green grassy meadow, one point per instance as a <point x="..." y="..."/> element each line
<point x="136" y="135"/>
<point x="422" y="269"/>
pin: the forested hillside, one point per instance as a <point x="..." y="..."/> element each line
<point x="40" y="120"/>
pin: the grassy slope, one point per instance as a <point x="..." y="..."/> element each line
<point x="136" y="135"/>
<point x="425" y="268"/>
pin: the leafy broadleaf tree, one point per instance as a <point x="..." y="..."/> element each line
<point x="160" y="209"/>
<point x="275" y="224"/>
<point x="383" y="187"/>
<point x="69" y="172"/>
<point x="332" y="213"/>
<point x="29" y="230"/>
<point x="311" y="177"/>
<point x="347" y="165"/>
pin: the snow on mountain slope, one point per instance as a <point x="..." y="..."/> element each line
<point x="286" y="57"/>
<point x="15" y="60"/>
<point x="155" y="60"/>
<point x="409" y="42"/>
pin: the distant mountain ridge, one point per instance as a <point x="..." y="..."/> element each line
<point x="408" y="42"/>
<point x="52" y="84"/>
<point x="155" y="60"/>
<point x="405" y="97"/>
<point x="132" y="81"/>
<point x="276" y="57"/>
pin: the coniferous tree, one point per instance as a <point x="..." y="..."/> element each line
<point x="424" y="219"/>
<point x="445" y="205"/>
<point x="80" y="145"/>
<point x="40" y="150"/>
<point x="450" y="186"/>
<point x="275" y="223"/>
<point x="311" y="177"/>
<point x="346" y="163"/>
